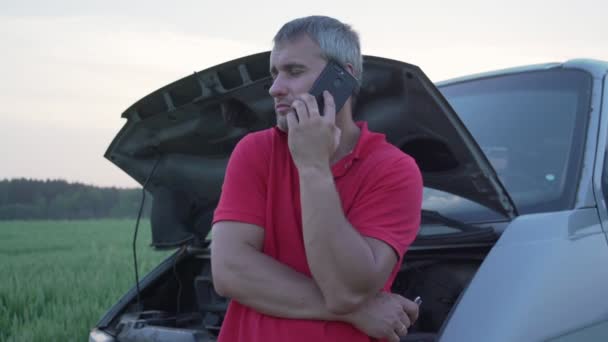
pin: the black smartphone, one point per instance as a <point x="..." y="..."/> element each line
<point x="339" y="82"/>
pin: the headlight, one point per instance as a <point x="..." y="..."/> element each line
<point x="99" y="336"/>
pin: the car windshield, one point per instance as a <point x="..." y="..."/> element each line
<point x="531" y="126"/>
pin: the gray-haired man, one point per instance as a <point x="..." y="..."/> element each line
<point x="315" y="213"/>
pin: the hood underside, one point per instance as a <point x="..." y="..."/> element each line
<point x="184" y="133"/>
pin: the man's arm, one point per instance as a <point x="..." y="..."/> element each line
<point x="242" y="272"/>
<point x="348" y="267"/>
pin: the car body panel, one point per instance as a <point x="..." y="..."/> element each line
<point x="586" y="195"/>
<point x="600" y="179"/>
<point x="594" y="332"/>
<point x="541" y="280"/>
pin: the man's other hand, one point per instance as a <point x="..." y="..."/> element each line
<point x="386" y="315"/>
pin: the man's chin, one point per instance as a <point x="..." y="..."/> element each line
<point x="282" y="123"/>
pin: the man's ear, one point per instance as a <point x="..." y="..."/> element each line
<point x="350" y="69"/>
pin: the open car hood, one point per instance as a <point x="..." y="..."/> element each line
<point x="181" y="136"/>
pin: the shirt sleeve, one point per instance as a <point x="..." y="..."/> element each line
<point x="390" y="207"/>
<point x="243" y="196"/>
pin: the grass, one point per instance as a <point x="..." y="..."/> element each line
<point x="59" y="277"/>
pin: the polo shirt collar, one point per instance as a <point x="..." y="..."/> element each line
<point x="343" y="165"/>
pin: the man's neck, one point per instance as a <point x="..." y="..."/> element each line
<point x="349" y="137"/>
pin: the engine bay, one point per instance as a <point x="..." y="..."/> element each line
<point x="180" y="303"/>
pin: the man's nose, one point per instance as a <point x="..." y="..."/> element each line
<point x="278" y="88"/>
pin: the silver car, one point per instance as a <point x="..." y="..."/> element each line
<point x="513" y="244"/>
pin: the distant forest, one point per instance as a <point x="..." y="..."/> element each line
<point x="28" y="199"/>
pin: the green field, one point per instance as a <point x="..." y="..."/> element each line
<point x="59" y="277"/>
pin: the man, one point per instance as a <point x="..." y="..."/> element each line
<point x="316" y="213"/>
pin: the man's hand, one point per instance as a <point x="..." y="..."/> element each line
<point x="312" y="138"/>
<point x="386" y="315"/>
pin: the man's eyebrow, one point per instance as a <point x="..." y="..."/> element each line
<point x="294" y="66"/>
<point x="288" y="66"/>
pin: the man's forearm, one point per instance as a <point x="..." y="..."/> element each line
<point x="340" y="259"/>
<point x="270" y="287"/>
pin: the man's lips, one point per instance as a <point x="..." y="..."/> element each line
<point x="282" y="108"/>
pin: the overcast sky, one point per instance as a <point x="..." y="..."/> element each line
<point x="70" y="68"/>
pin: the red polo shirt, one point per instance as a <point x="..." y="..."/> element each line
<point x="381" y="192"/>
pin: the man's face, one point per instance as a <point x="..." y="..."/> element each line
<point x="294" y="66"/>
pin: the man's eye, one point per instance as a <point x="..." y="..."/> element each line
<point x="295" y="72"/>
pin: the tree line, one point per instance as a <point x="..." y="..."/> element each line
<point x="28" y="199"/>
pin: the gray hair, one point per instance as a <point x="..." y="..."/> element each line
<point x="338" y="41"/>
